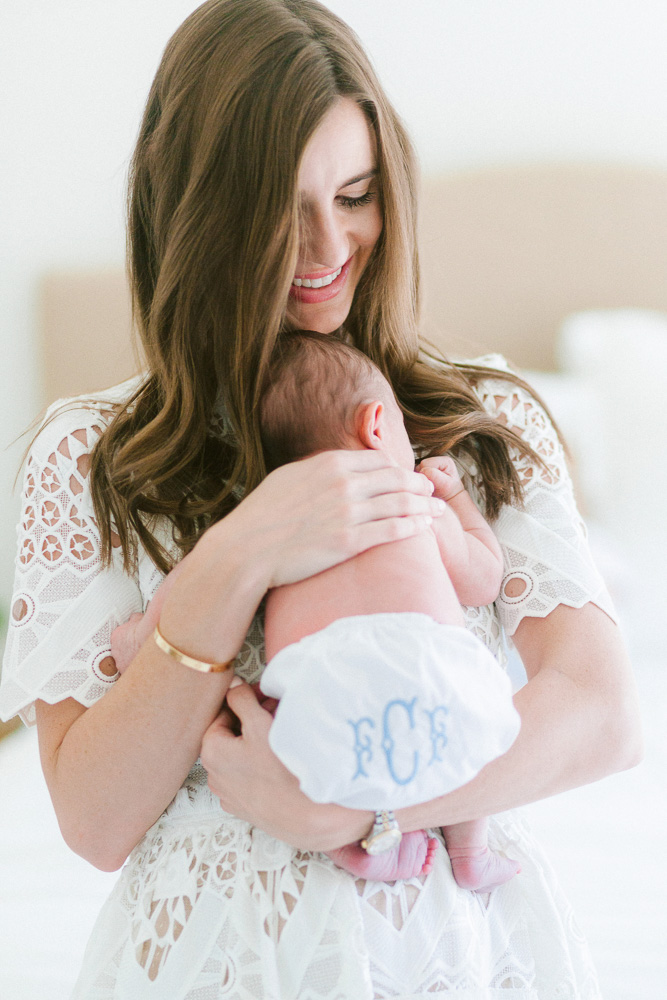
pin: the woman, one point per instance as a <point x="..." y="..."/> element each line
<point x="269" y="160"/>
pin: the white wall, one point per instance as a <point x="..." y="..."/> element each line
<point x="478" y="82"/>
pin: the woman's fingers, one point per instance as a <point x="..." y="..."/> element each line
<point x="353" y="460"/>
<point x="224" y="729"/>
<point x="394" y="481"/>
<point x="389" y="529"/>
<point x="391" y="479"/>
<point x="125" y="642"/>
<point x="308" y="512"/>
<point x="367" y="473"/>
<point x="243" y="702"/>
<point x="399" y="505"/>
<point x="268" y="704"/>
<point x="244" y="772"/>
<point x="226" y="720"/>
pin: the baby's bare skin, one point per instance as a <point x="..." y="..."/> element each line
<point x="422" y="585"/>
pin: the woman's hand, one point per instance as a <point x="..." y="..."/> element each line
<point x="127" y="639"/>
<point x="309" y="515"/>
<point x="245" y="774"/>
<point x="302" y="519"/>
<point x="252" y="783"/>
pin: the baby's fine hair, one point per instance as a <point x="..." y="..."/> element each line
<point x="315" y="385"/>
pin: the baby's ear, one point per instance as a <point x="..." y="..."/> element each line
<point x="369" y="424"/>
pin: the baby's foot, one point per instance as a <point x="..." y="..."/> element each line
<point x="481" y="870"/>
<point x="413" y="856"/>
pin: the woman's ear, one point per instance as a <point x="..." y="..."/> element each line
<point x="369" y="424"/>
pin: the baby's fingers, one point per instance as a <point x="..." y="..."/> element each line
<point x="442" y="462"/>
<point x="446" y="483"/>
<point x="441" y="481"/>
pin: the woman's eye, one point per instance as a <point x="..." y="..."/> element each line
<point x="364" y="199"/>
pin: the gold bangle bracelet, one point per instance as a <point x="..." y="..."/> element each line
<point x="189" y="661"/>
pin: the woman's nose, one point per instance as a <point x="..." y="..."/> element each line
<point x="324" y="242"/>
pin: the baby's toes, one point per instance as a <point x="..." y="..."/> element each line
<point x="431" y="848"/>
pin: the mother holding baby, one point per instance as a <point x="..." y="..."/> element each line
<point x="273" y="188"/>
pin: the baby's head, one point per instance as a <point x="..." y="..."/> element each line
<point x="323" y="394"/>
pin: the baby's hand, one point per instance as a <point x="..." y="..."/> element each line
<point x="442" y="472"/>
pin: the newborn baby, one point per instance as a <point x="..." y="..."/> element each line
<point x="385" y="699"/>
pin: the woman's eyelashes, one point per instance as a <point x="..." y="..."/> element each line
<point x="363" y="199"/>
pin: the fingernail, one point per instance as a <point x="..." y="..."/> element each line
<point x="428" y="519"/>
<point x="235" y="681"/>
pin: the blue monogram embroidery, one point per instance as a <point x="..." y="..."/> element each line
<point x="388" y="742"/>
<point x="438" y="731"/>
<point x="362" y="745"/>
<point x="397" y="737"/>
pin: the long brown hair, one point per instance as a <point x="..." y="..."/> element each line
<point x="212" y="221"/>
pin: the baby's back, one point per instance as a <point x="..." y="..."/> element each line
<point x="401" y="576"/>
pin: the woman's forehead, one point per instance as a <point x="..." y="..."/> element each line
<point x="340" y="153"/>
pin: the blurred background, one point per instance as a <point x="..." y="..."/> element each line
<point x="542" y="134"/>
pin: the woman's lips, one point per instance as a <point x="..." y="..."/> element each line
<point x="310" y="295"/>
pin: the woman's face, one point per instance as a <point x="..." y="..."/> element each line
<point x="340" y="206"/>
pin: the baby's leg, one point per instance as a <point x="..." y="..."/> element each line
<point x="474" y="866"/>
<point x="413" y="856"/>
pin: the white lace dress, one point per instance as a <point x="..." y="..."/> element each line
<point x="209" y="907"/>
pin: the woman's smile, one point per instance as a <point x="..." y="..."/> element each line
<point x="320" y="288"/>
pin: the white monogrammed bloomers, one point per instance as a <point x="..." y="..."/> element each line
<point x="387" y="710"/>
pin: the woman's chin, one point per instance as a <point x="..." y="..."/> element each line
<point x="315" y="328"/>
<point x="318" y="320"/>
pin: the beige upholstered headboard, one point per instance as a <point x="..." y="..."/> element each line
<point x="506" y="255"/>
<point x="85" y="332"/>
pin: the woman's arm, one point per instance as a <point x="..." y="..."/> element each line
<point x="579" y="719"/>
<point x="113" y="768"/>
<point x="580" y="722"/>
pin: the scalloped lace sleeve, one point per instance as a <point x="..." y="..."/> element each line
<point x="547" y="558"/>
<point x="65" y="603"/>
